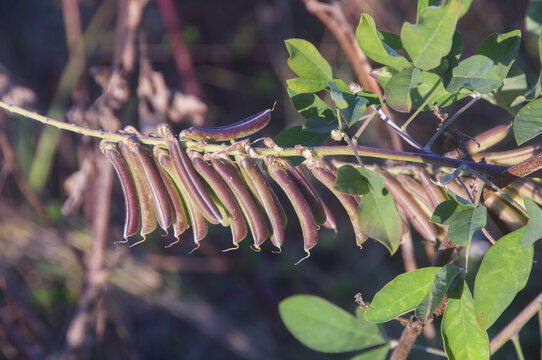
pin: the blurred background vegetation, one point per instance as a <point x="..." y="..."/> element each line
<point x="63" y="293"/>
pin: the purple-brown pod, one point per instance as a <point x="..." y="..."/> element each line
<point x="246" y="202"/>
<point x="300" y="204"/>
<point x="239" y="129"/>
<point x="327" y="178"/>
<point x="189" y="177"/>
<point x="308" y="191"/>
<point x="159" y="196"/>
<point x="223" y="194"/>
<point x="181" y="222"/>
<point x="132" y="219"/>
<point x="199" y="225"/>
<point x="148" y="219"/>
<point x="261" y="189"/>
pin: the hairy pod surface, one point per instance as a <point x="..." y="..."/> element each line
<point x="181" y="222"/>
<point x="308" y="191"/>
<point x="199" y="225"/>
<point x="327" y="178"/>
<point x="148" y="219"/>
<point x="245" y="200"/>
<point x="300" y="204"/>
<point x="261" y="190"/>
<point x="188" y="175"/>
<point x="159" y="197"/>
<point x="132" y="219"/>
<point x="239" y="129"/>
<point x="224" y="195"/>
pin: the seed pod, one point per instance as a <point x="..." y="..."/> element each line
<point x="488" y="138"/>
<point x="188" y="175"/>
<point x="527" y="189"/>
<point x="300" y="204"/>
<point x="350" y="204"/>
<point x="434" y="194"/>
<point x="159" y="196"/>
<point x="261" y="190"/>
<point x="199" y="225"/>
<point x="181" y="222"/>
<point x="132" y="219"/>
<point x="248" y="206"/>
<point x="239" y="129"/>
<point x="148" y="219"/>
<point x="308" y="191"/>
<point x="224" y="195"/>
<point x="330" y="222"/>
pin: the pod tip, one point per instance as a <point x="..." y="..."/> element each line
<point x="177" y="239"/>
<point x="139" y="242"/>
<point x="235" y="247"/>
<point x="194" y="249"/>
<point x="306" y="257"/>
<point x="255" y="248"/>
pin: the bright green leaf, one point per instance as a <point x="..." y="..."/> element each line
<point x="463" y="220"/>
<point x="383" y="75"/>
<point x="401" y="295"/>
<point x="528" y="122"/>
<point x="504" y="271"/>
<point x="391" y="39"/>
<point x="372" y="46"/>
<point x="444" y="280"/>
<point x="422" y="4"/>
<point x="324" y="327"/>
<point x="358" y="181"/>
<point x="337" y="95"/>
<point x="476" y="73"/>
<point x="380" y="353"/>
<point x="514" y="85"/>
<point x="430" y="39"/>
<point x="379" y="219"/>
<point x="463" y="339"/>
<point x="502" y="49"/>
<point x="432" y="86"/>
<point x="533" y="230"/>
<point x="313" y="70"/>
<point x="310" y="105"/>
<point x="398" y="88"/>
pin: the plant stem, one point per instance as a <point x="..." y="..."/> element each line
<point x="430" y="350"/>
<point x="399" y="131"/>
<point x="364" y="126"/>
<point x="512" y="329"/>
<point x="517" y="347"/>
<point x="448" y="122"/>
<point x="428" y="97"/>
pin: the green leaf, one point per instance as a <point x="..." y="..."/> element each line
<point x="502" y="49"/>
<point x="514" y="85"/>
<point x="310" y="105"/>
<point x="373" y="46"/>
<point x="533" y="19"/>
<point x="296" y="135"/>
<point x="430" y="39"/>
<point x="313" y="70"/>
<point x="391" y="39"/>
<point x="463" y="339"/>
<point x="379" y="353"/>
<point x="324" y="327"/>
<point x="476" y="73"/>
<point x="422" y="4"/>
<point x="504" y="271"/>
<point x="351" y="106"/>
<point x="528" y="122"/>
<point x="401" y="295"/>
<point x="320" y="125"/>
<point x="432" y="86"/>
<point x="444" y="280"/>
<point x="358" y="181"/>
<point x="379" y="219"/>
<point x="398" y="88"/>
<point x="464" y="219"/>
<point x="533" y="230"/>
<point x="337" y="95"/>
<point x="536" y="89"/>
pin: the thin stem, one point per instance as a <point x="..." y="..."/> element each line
<point x="430" y="350"/>
<point x="428" y="97"/>
<point x="364" y="126"/>
<point x="517" y="347"/>
<point x="448" y="122"/>
<point x="399" y="131"/>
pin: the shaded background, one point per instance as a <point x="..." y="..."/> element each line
<point x="228" y="60"/>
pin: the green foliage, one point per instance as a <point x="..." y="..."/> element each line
<point x="475" y="73"/>
<point x="463" y="218"/>
<point x="305" y="61"/>
<point x="502" y="49"/>
<point x="533" y="20"/>
<point x="325" y="327"/>
<point x="401" y="295"/>
<point x="504" y="271"/>
<point x="444" y="280"/>
<point x="358" y="181"/>
<point x="430" y="39"/>
<point x="398" y="88"/>
<point x="533" y="230"/>
<point x="528" y="122"/>
<point x="463" y="339"/>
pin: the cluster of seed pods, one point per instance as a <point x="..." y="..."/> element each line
<point x="172" y="187"/>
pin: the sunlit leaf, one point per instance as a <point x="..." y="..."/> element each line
<point x="428" y="41"/>
<point x="463" y="339"/>
<point x="533" y="230"/>
<point x="398" y="88"/>
<point x="422" y="4"/>
<point x="476" y="73"/>
<point x="514" y="85"/>
<point x="502" y="49"/>
<point x="504" y="271"/>
<point x="324" y="327"/>
<point x="528" y="122"/>
<point x="401" y="295"/>
<point x="310" y="105"/>
<point x="313" y="70"/>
